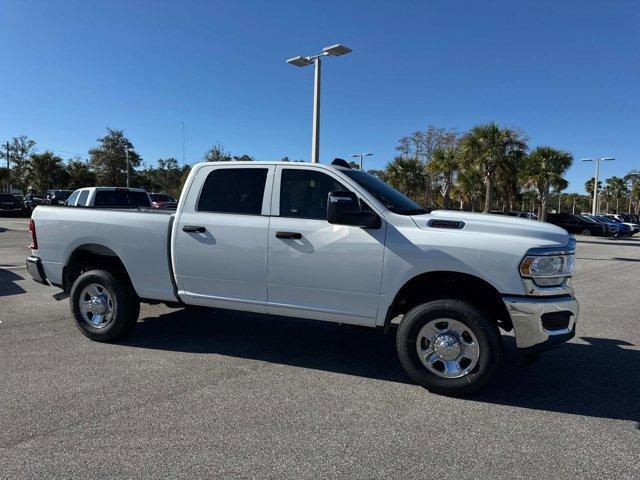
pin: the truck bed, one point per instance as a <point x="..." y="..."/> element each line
<point x="138" y="237"/>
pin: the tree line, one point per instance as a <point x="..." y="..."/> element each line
<point x="488" y="168"/>
<point x="492" y="168"/>
<point x="33" y="171"/>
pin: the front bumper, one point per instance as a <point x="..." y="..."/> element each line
<point x="532" y="333"/>
<point x="35" y="269"/>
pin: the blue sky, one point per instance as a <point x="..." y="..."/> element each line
<point x="567" y="72"/>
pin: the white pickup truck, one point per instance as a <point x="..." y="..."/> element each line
<point x="323" y="242"/>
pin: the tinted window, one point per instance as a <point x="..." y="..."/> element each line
<point x="7" y="198"/>
<point x="233" y="190"/>
<point x="72" y="198"/>
<point x="83" y="197"/>
<point x="303" y="193"/>
<point x="121" y="198"/>
<point x="161" y="197"/>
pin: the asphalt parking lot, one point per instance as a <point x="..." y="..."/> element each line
<point x="224" y="394"/>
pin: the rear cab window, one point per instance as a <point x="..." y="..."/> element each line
<point x="121" y="198"/>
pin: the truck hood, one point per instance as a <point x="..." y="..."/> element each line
<point x="531" y="232"/>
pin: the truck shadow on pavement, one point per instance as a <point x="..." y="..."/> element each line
<point x="599" y="379"/>
<point x="7" y="283"/>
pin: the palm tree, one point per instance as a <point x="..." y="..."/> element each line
<point x="468" y="187"/>
<point x="588" y="186"/>
<point x="445" y="163"/>
<point x="543" y="168"/>
<point x="407" y="175"/>
<point x="633" y="180"/>
<point x="490" y="147"/>
<point x="507" y="183"/>
<point x="617" y="188"/>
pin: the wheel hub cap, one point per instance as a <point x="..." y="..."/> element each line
<point x="96" y="305"/>
<point x="447" y="347"/>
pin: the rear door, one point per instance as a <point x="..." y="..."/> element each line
<point x="220" y="240"/>
<point x="317" y="269"/>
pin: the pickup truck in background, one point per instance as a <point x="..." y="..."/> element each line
<point x="324" y="242"/>
<point x="109" y="197"/>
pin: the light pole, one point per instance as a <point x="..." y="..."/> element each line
<point x="559" y="197"/>
<point x="300" y="61"/>
<point x="573" y="210"/>
<point x="361" y="155"/>
<point x="594" y="208"/>
<point x="8" y="171"/>
<point x="126" y="151"/>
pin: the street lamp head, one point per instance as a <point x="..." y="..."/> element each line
<point x="587" y="159"/>
<point x="336" y="50"/>
<point x="608" y="159"/>
<point x="300" y="61"/>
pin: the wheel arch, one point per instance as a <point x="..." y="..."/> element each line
<point x="91" y="256"/>
<point x="449" y="284"/>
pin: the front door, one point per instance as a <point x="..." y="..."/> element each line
<point x="220" y="242"/>
<point x="316" y="269"/>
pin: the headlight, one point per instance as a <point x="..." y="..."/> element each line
<point x="548" y="270"/>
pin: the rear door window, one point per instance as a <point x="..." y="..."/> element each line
<point x="233" y="190"/>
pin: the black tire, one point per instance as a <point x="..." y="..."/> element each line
<point x="126" y="306"/>
<point x="485" y="331"/>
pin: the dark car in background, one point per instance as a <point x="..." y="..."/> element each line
<point x="10" y="204"/>
<point x="619" y="229"/>
<point x="529" y="215"/>
<point x="616" y="229"/>
<point x="32" y="200"/>
<point x="57" y="197"/>
<point x="163" y="200"/>
<point x="577" y="224"/>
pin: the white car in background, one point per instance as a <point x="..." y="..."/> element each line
<point x="117" y="197"/>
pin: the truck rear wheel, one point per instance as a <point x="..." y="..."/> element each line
<point x="448" y="346"/>
<point x="102" y="306"/>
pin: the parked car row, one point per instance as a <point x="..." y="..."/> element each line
<point x="116" y="197"/>
<point x="610" y="225"/>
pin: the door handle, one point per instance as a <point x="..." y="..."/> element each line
<point x="193" y="229"/>
<point x="291" y="235"/>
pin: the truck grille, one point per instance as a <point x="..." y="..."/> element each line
<point x="556" y="320"/>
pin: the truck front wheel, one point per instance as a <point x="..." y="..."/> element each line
<point x="448" y="346"/>
<point x="102" y="306"/>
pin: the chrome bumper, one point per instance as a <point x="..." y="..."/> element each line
<point x="526" y="315"/>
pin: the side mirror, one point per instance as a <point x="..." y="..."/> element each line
<point x="343" y="208"/>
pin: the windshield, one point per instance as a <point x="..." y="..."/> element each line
<point x="388" y="196"/>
